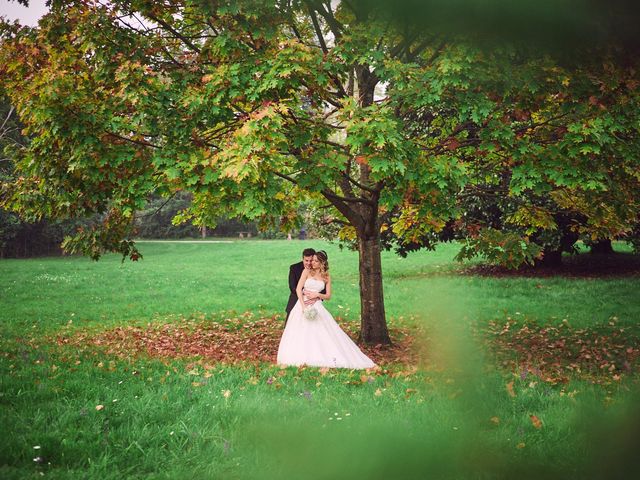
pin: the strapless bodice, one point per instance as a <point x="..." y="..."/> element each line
<point x="313" y="285"/>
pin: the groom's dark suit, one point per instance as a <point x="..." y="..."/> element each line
<point x="295" y="272"/>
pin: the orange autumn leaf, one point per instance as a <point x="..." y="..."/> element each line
<point x="510" y="389"/>
<point x="536" y="422"/>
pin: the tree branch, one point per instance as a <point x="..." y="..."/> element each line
<point x="402" y="45"/>
<point x="334" y="25"/>
<point x="437" y="52"/>
<point x="360" y="185"/>
<point x="11" y="109"/>
<point x="355" y="200"/>
<point x="286" y="177"/>
<point x="159" y="208"/>
<point x="131" y="140"/>
<point x="184" y="39"/>
<point x="316" y="27"/>
<point x="326" y="192"/>
<point x="349" y="213"/>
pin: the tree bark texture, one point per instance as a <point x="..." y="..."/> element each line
<point x="373" y="324"/>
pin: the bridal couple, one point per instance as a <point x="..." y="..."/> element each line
<point x="311" y="335"/>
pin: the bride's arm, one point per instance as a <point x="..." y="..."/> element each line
<point x="327" y="288"/>
<point x="300" y="285"/>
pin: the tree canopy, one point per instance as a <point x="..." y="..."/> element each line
<point x="255" y="105"/>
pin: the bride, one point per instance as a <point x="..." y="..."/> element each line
<point x="311" y="336"/>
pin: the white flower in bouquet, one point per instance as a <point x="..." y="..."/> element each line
<point x="310" y="313"/>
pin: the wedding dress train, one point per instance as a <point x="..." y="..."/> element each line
<point x="318" y="342"/>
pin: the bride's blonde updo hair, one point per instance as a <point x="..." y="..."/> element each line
<point x="321" y="255"/>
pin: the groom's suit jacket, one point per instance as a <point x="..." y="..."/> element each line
<point x="295" y="272"/>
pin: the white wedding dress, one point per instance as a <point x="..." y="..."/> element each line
<point x="319" y="342"/>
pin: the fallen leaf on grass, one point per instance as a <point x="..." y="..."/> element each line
<point x="535" y="421"/>
<point x="99" y="407"/>
<point x="510" y="389"/>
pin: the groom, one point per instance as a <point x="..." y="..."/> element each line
<point x="295" y="272"/>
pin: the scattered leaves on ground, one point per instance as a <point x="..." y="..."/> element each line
<point x="532" y="352"/>
<point x="556" y="353"/>
<point x="229" y="341"/>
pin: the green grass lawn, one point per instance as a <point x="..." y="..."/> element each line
<point x="162" y="418"/>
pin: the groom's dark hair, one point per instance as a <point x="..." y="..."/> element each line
<point x="308" y="252"/>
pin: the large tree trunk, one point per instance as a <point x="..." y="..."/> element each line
<point x="373" y="324"/>
<point x="363" y="215"/>
<point x="602" y="247"/>
<point x="553" y="257"/>
<point x="550" y="259"/>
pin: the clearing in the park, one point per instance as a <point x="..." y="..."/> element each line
<point x="164" y="368"/>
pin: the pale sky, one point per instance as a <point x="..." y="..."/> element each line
<point x="26" y="16"/>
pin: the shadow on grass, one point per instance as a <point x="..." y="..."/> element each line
<point x="584" y="265"/>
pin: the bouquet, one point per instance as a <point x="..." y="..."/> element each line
<point x="310" y="313"/>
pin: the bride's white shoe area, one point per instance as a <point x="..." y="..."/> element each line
<point x="318" y="342"/>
